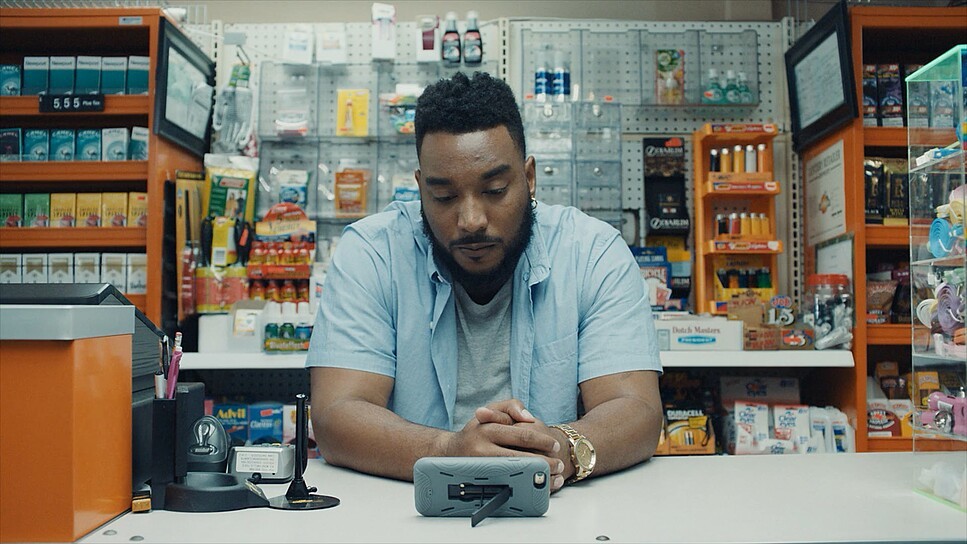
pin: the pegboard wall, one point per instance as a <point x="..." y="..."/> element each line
<point x="606" y="58"/>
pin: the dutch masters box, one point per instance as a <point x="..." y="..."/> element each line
<point x="697" y="334"/>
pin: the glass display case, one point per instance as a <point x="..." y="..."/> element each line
<point x="938" y="199"/>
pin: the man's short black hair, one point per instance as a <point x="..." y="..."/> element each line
<point x="461" y="104"/>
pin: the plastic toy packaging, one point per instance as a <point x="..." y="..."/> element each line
<point x="232" y="116"/>
<point x="401" y="107"/>
<point x="292" y="119"/>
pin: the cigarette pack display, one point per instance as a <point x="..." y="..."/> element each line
<point x="36" y="210"/>
<point x="88" y="210"/>
<point x="138" y="209"/>
<point x="11" y="268"/>
<point x="60" y="268"/>
<point x="63" y="209"/>
<point x="61" y="75"/>
<point x="876" y="190"/>
<point x="35" y="73"/>
<point x="114" y="144"/>
<point x="114" y="270"/>
<point x="917" y="100"/>
<point x="138" y="68"/>
<point x="114" y="71"/>
<point x="36" y="144"/>
<point x="9" y="80"/>
<point x="11" y="210"/>
<point x="87" y="77"/>
<point x="87" y="145"/>
<point x="62" y="144"/>
<point x="10" y="145"/>
<point x="114" y="209"/>
<point x="35" y="268"/>
<point x="87" y="267"/>
<point x="138" y="148"/>
<point x="137" y="274"/>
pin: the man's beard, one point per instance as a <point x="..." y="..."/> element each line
<point x="498" y="275"/>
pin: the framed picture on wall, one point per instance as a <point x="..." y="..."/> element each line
<point x="184" y="91"/>
<point x="819" y="69"/>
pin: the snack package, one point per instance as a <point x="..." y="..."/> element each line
<point x="879" y="299"/>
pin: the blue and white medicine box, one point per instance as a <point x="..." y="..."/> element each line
<point x="138" y="68"/>
<point x="35" y="74"/>
<point x="61" y="75"/>
<point x="114" y="71"/>
<point x="88" y="146"/>
<point x="36" y="144"/>
<point x="62" y="144"/>
<point x="265" y="423"/>
<point x="87" y="78"/>
<point x="9" y="80"/>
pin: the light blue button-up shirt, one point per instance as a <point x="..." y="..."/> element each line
<point x="579" y="311"/>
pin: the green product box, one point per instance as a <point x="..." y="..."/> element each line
<point x="62" y="144"/>
<point x="35" y="74"/>
<point x="87" y="145"/>
<point x="9" y="145"/>
<point x="114" y="144"/>
<point x="11" y="210"/>
<point x="36" y="210"/>
<point x="36" y="145"/>
<point x="87" y="78"/>
<point x="114" y="72"/>
<point x="61" y="75"/>
<point x="138" y="68"/>
<point x="9" y="80"/>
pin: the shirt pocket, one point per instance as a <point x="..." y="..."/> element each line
<point x="554" y="380"/>
<point x="557" y="352"/>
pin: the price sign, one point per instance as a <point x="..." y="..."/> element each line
<point x="70" y="103"/>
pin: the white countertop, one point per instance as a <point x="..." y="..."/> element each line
<point x="669" y="359"/>
<point x="64" y="322"/>
<point x="796" y="498"/>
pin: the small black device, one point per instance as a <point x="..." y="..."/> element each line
<point x="208" y="451"/>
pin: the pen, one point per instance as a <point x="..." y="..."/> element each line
<point x="165" y="356"/>
<point x="160" y="385"/>
<point x="174" y="367"/>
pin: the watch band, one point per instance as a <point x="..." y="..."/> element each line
<point x="573" y="437"/>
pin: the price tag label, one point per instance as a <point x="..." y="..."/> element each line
<point x="70" y="103"/>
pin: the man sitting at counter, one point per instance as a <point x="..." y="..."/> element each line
<point x="480" y="322"/>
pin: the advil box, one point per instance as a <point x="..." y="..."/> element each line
<point x="265" y="423"/>
<point x="234" y="417"/>
<point x="714" y="334"/>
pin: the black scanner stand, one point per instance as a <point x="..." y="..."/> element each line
<point x="299" y="496"/>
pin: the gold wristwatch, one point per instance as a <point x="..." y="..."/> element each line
<point x="582" y="453"/>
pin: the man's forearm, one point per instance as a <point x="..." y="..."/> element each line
<point x="623" y="421"/>
<point x="360" y="435"/>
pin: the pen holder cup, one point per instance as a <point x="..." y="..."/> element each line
<point x="171" y="421"/>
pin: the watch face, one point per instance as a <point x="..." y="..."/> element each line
<point x="585" y="454"/>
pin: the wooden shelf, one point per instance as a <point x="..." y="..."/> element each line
<point x="743" y="247"/>
<point x="897" y="137"/>
<point x="77" y="237"/>
<point x="884" y="236"/>
<point x="113" y="105"/>
<point x="888" y="334"/>
<point x="73" y="171"/>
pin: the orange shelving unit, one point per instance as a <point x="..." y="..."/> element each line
<point x="723" y="258"/>
<point x="878" y="35"/>
<point x="103" y="32"/>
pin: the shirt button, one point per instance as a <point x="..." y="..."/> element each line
<point x="526" y="276"/>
